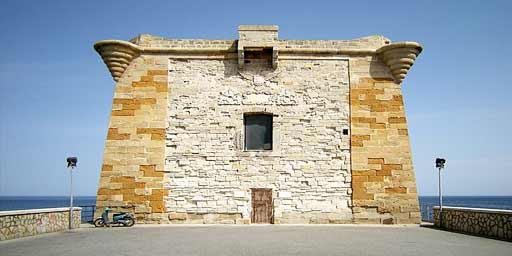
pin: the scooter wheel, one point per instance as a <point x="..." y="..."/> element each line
<point x="129" y="223"/>
<point x="99" y="222"/>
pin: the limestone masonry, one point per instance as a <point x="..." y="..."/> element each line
<point x="23" y="223"/>
<point x="476" y="221"/>
<point x="259" y="130"/>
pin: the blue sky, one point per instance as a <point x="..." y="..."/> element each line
<point x="55" y="92"/>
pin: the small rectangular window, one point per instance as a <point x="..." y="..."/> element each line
<point x="258" y="132"/>
<point x="258" y="56"/>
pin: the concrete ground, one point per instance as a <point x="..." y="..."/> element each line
<point x="256" y="240"/>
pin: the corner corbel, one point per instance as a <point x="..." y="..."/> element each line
<point x="399" y="57"/>
<point x="117" y="55"/>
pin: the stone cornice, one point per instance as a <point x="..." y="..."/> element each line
<point x="399" y="57"/>
<point x="118" y="54"/>
<point x="333" y="51"/>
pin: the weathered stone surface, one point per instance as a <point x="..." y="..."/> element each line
<point x="384" y="187"/>
<point x="23" y="223"/>
<point x="175" y="145"/>
<point x="132" y="177"/>
<point x="399" y="57"/>
<point x="483" y="222"/>
<point x="310" y="159"/>
<point x="117" y="55"/>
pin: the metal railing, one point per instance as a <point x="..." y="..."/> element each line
<point x="427" y="213"/>
<point x="88" y="213"/>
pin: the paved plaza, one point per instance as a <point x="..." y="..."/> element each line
<point x="256" y="240"/>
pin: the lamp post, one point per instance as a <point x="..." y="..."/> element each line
<point x="71" y="165"/>
<point x="440" y="165"/>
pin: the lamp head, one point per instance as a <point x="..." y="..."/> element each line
<point x="440" y="162"/>
<point x="72" y="161"/>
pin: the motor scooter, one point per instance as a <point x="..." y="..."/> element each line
<point x="122" y="218"/>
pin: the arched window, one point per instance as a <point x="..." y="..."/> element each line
<point x="258" y="131"/>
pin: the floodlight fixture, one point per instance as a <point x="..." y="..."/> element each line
<point x="72" y="161"/>
<point x="440" y="162"/>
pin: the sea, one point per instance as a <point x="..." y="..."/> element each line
<point x="8" y="203"/>
<point x="490" y="202"/>
<point x="87" y="202"/>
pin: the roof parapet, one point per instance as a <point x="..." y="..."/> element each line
<point x="118" y="54"/>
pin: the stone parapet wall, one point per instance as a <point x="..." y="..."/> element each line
<point x="483" y="222"/>
<point x="23" y="223"/>
<point x="145" y="40"/>
<point x="366" y="43"/>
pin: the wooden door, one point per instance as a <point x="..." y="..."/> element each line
<point x="262" y="205"/>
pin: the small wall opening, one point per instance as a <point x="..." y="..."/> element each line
<point x="258" y="55"/>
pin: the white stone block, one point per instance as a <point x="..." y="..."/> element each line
<point x="285" y="194"/>
<point x="239" y="194"/>
<point x="198" y="198"/>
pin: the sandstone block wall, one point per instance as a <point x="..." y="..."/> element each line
<point x="23" y="223"/>
<point x="383" y="182"/>
<point x="132" y="176"/>
<point x="483" y="222"/>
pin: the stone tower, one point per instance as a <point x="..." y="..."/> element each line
<point x="259" y="130"/>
